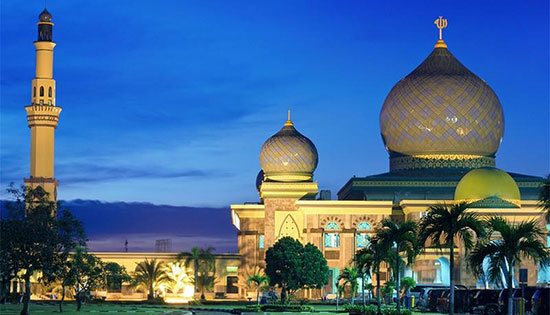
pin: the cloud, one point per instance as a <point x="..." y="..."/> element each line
<point x="71" y="173"/>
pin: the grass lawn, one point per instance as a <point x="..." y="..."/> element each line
<point x="70" y="309"/>
<point x="112" y="308"/>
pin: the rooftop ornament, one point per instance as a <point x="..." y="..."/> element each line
<point x="440" y="23"/>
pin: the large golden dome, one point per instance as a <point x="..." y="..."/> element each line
<point x="488" y="185"/>
<point x="442" y="110"/>
<point x="288" y="156"/>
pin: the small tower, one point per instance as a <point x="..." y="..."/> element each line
<point x="42" y="113"/>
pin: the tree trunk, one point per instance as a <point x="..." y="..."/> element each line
<point x="27" y="296"/>
<point x="4" y="290"/>
<point x="78" y="301"/>
<point x="283" y="295"/>
<point x="378" y="297"/>
<point x="62" y="298"/>
<point x="398" y="283"/>
<point x="258" y="295"/>
<point x="363" y="289"/>
<point x="196" y="275"/>
<point x="151" y="293"/>
<point x="510" y="280"/>
<point x="452" y="277"/>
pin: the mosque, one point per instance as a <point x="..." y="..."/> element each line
<point x="441" y="126"/>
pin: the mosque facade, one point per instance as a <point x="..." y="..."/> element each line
<point x="441" y="126"/>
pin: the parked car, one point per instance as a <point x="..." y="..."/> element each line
<point x="462" y="301"/>
<point x="427" y="301"/>
<point x="420" y="288"/>
<point x="540" y="301"/>
<point x="528" y="293"/>
<point x="433" y="297"/>
<point x="485" y="302"/>
<point x="503" y="300"/>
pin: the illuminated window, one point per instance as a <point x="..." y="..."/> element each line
<point x="261" y="241"/>
<point x="41" y="91"/>
<point x="332" y="237"/>
<point x="50" y="91"/>
<point x="363" y="226"/>
<point x="362" y="238"/>
<point x="332" y="226"/>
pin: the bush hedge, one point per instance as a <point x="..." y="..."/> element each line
<point x="372" y="310"/>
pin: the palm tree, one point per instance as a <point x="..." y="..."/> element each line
<point x="363" y="263"/>
<point x="516" y="242"/>
<point x="203" y="262"/>
<point x="259" y="280"/>
<point x="177" y="278"/>
<point x="368" y="260"/>
<point x="396" y="238"/>
<point x="451" y="225"/>
<point x="544" y="198"/>
<point x="150" y="274"/>
<point x="192" y="258"/>
<point x="349" y="276"/>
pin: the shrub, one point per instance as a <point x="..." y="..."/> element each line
<point x="286" y="308"/>
<point x="372" y="310"/>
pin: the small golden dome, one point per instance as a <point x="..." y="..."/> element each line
<point x="488" y="183"/>
<point x="288" y="156"/>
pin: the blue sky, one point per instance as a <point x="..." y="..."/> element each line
<point x="169" y="101"/>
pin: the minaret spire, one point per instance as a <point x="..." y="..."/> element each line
<point x="42" y="113"/>
<point x="288" y="121"/>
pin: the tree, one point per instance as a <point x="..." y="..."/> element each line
<point x="258" y="279"/>
<point x="446" y="226"/>
<point x="516" y="242"/>
<point x="150" y="274"/>
<point x="396" y="238"/>
<point x="349" y="277"/>
<point x="314" y="268"/>
<point x="177" y="277"/>
<point x="203" y="261"/>
<point x="36" y="237"/>
<point x="115" y="276"/>
<point x="284" y="265"/>
<point x="407" y="283"/>
<point x="86" y="273"/>
<point x="544" y="198"/>
<point x="292" y="266"/>
<point x="369" y="259"/>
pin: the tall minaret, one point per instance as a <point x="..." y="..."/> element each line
<point x="43" y="114"/>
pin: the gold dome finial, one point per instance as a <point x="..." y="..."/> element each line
<point x="288" y="121"/>
<point x="440" y="23"/>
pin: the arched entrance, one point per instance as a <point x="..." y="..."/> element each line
<point x="442" y="271"/>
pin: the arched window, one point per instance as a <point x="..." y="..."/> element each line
<point x="34" y="91"/>
<point x="362" y="238"/>
<point x="332" y="237"/>
<point x="41" y="91"/>
<point x="50" y="91"/>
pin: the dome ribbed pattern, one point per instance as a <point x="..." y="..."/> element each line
<point x="442" y="108"/>
<point x="288" y="152"/>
